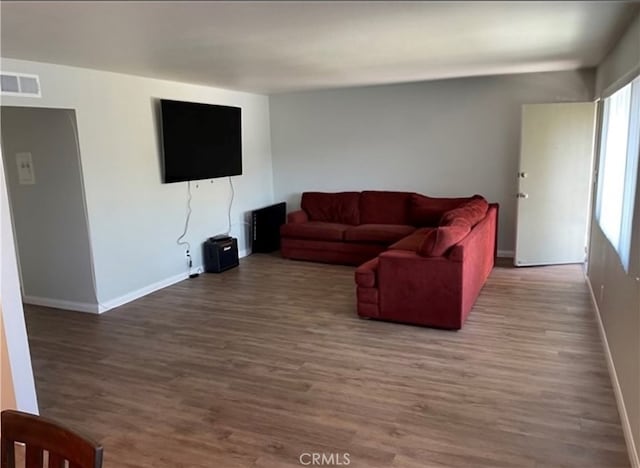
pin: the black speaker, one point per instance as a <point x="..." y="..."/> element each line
<point x="265" y="224"/>
<point x="220" y="254"/>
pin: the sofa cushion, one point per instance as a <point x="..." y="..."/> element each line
<point x="315" y="230"/>
<point x="439" y="240"/>
<point x="329" y="251"/>
<point x="380" y="207"/>
<point x="341" y="207"/>
<point x="427" y="211"/>
<point x="412" y="242"/>
<point x="379" y="233"/>
<point x="366" y="274"/>
<point x="298" y="216"/>
<point x="472" y="211"/>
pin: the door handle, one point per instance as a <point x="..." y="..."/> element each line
<point x="522" y="195"/>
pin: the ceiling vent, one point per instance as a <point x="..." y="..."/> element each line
<point x="19" y="84"/>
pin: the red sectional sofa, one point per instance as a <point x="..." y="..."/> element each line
<point x="423" y="260"/>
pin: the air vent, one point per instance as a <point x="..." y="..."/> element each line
<point x="9" y="84"/>
<point x="19" y="84"/>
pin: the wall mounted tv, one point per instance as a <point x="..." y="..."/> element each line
<point x="200" y="141"/>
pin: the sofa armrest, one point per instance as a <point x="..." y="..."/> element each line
<point x="299" y="216"/>
<point x="482" y="240"/>
<point x="416" y="289"/>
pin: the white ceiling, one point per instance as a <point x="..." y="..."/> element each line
<point x="273" y="47"/>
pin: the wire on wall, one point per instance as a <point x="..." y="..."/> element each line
<point x="233" y="193"/>
<point x="180" y="240"/>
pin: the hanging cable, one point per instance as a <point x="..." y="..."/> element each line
<point x="233" y="193"/>
<point x="179" y="240"/>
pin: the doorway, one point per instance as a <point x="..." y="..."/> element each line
<point x="554" y="183"/>
<point x="48" y="209"/>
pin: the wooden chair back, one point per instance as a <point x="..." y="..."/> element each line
<point x="42" y="435"/>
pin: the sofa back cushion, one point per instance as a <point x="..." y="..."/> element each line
<point x="380" y="207"/>
<point x="427" y="211"/>
<point x="473" y="211"/>
<point x="439" y="240"/>
<point x="340" y="207"/>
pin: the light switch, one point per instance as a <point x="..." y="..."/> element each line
<point x="26" y="174"/>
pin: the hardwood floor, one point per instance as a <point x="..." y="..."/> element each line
<point x="265" y="362"/>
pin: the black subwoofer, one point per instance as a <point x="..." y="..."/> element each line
<point x="220" y="254"/>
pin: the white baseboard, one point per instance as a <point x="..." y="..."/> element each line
<point x="138" y="293"/>
<point x="133" y="295"/>
<point x="634" y="457"/>
<point x="60" y="304"/>
<point x="506" y="253"/>
<point x="118" y="301"/>
<point x="108" y="305"/>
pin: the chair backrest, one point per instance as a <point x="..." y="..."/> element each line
<point x="41" y="434"/>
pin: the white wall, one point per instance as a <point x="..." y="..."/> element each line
<point x="12" y="313"/>
<point x="617" y="294"/>
<point x="49" y="217"/>
<point x="450" y="137"/>
<point x="134" y="219"/>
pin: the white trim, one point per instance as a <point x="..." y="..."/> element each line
<point x="27" y="95"/>
<point x="634" y="458"/>
<point x="506" y="253"/>
<point x="535" y="264"/>
<point x="137" y="294"/>
<point x="61" y="304"/>
<point x="118" y="301"/>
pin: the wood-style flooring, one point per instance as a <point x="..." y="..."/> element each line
<point x="263" y="363"/>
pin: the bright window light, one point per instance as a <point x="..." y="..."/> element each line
<point x="619" y="152"/>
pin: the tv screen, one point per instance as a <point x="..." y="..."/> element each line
<point x="200" y="141"/>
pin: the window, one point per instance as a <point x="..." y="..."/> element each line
<point x="619" y="152"/>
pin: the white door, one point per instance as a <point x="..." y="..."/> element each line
<point x="554" y="190"/>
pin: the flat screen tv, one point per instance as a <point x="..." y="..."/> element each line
<point x="200" y="141"/>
